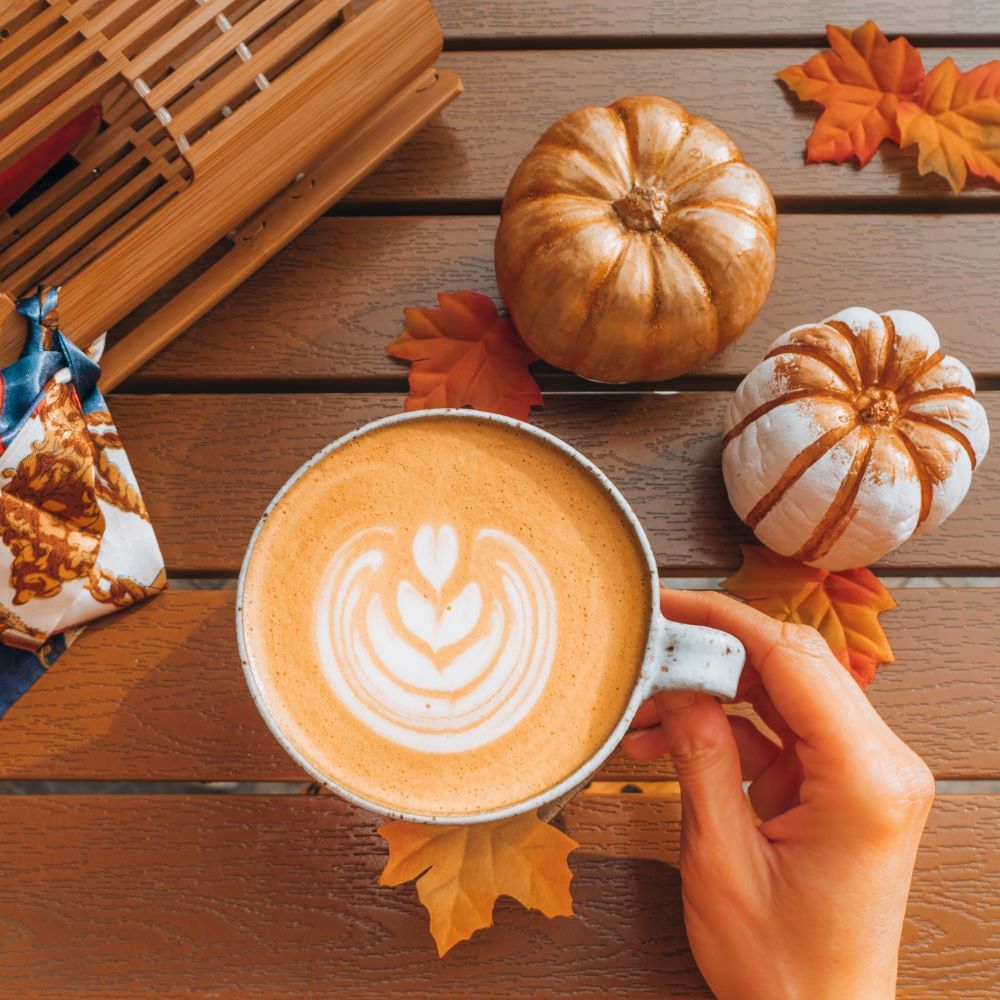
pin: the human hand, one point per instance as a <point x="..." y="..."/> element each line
<point x="810" y="902"/>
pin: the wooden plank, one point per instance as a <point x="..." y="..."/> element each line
<point x="327" y="305"/>
<point x="128" y="897"/>
<point x="510" y="98"/>
<point x="157" y="693"/>
<point x="208" y="465"/>
<point x="645" y="20"/>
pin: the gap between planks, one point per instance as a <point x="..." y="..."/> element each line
<point x="551" y="381"/>
<point x="977" y="577"/>
<point x="603" y="788"/>
<point x="515" y="43"/>
<point x="786" y="205"/>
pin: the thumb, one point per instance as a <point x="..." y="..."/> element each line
<point x="716" y="814"/>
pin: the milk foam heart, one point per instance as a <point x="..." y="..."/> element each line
<point x="449" y="671"/>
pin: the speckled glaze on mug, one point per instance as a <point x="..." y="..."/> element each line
<point x="676" y="657"/>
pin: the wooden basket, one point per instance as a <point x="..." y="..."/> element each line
<point x="219" y="119"/>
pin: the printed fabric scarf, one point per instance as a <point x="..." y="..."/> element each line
<point x="76" y="539"/>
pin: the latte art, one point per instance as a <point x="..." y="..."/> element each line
<point x="439" y="644"/>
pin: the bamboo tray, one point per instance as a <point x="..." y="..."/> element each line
<point x="218" y="120"/>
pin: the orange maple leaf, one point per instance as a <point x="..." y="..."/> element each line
<point x="461" y="870"/>
<point x="859" y="82"/>
<point x="843" y="606"/>
<point x="466" y="354"/>
<point x="954" y="118"/>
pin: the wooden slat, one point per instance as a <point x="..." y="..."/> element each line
<point x="208" y="465"/>
<point x="126" y="897"/>
<point x="680" y="19"/>
<point x="512" y="97"/>
<point x="158" y="693"/>
<point x="327" y="305"/>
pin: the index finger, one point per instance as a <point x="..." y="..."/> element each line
<point x="808" y="686"/>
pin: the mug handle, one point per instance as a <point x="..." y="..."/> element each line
<point x="688" y="658"/>
<point x="697" y="658"/>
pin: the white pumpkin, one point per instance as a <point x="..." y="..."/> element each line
<point x="851" y="436"/>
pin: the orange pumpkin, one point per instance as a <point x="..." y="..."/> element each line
<point x="634" y="242"/>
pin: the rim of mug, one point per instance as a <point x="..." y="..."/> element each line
<point x="644" y="675"/>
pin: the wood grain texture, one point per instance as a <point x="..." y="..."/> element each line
<point x="472" y="149"/>
<point x="128" y="897"/>
<point x="158" y="693"/>
<point x="679" y="19"/>
<point x="328" y="304"/>
<point x="208" y="465"/>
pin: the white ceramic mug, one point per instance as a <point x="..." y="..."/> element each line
<point x="677" y="657"/>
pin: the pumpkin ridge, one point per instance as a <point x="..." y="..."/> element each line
<point x="808" y="351"/>
<point x="796" y="469"/>
<point x="775" y="402"/>
<point x="659" y="300"/>
<point x="653" y="346"/>
<point x="890" y="353"/>
<point x="629" y="132"/>
<point x="848" y="334"/>
<point x="528" y="253"/>
<point x="592" y="293"/>
<point x="700" y="171"/>
<point x="587" y="154"/>
<point x="663" y="166"/>
<point x="952" y="432"/>
<point x="703" y="281"/>
<point x="731" y="206"/>
<point x="932" y="361"/>
<point x="919" y="397"/>
<point x="841" y="511"/>
<point x="867" y="358"/>
<point x="922" y="473"/>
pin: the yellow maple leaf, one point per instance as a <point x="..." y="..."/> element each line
<point x="954" y="119"/>
<point x="461" y="870"/>
<point x="843" y="606"/>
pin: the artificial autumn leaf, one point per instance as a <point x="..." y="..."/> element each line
<point x="466" y="354"/>
<point x="843" y="606"/>
<point x="461" y="870"/>
<point x="954" y="119"/>
<point x="859" y="82"/>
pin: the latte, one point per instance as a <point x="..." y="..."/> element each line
<point x="446" y="616"/>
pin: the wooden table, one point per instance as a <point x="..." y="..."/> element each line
<point x="274" y="895"/>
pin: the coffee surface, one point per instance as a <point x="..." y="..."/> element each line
<point x="446" y="616"/>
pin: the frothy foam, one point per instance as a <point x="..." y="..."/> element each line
<point x="425" y="658"/>
<point x="446" y="616"/>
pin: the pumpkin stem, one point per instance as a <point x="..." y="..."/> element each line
<point x="642" y="209"/>
<point x="877" y="405"/>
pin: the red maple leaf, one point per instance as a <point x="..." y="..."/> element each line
<point x="466" y="354"/>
